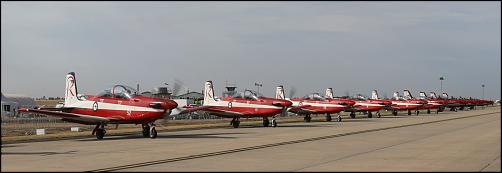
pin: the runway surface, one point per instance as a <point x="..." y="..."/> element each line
<point x="449" y="141"/>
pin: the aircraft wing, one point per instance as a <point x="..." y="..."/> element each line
<point x="298" y="107"/>
<point x="87" y="118"/>
<point x="193" y="109"/>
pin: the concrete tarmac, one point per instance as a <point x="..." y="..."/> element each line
<point x="448" y="141"/>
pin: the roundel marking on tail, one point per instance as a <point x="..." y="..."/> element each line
<point x="95" y="106"/>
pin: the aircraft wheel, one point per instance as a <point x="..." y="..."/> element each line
<point x="236" y="124"/>
<point x="146" y="131"/>
<point x="428" y="111"/>
<point x="307" y="118"/>
<point x="409" y="112"/>
<point x="153" y="132"/>
<point x="328" y="118"/>
<point x="265" y="122"/>
<point x="378" y="115"/>
<point x="352" y="115"/>
<point x="274" y="123"/>
<point x="394" y="113"/>
<point x="100" y="133"/>
<point x="418" y="112"/>
<point x="370" y="115"/>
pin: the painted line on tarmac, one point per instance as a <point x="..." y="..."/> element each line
<point x="191" y="157"/>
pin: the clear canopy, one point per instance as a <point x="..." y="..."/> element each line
<point x="314" y="96"/>
<point x="248" y="94"/>
<point x="119" y="91"/>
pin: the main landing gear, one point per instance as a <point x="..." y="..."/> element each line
<point x="328" y="117"/>
<point x="428" y="111"/>
<point x="352" y="115"/>
<point x="370" y="115"/>
<point x="394" y="112"/>
<point x="339" y="117"/>
<point x="307" y="118"/>
<point x="149" y="130"/>
<point x="266" y="122"/>
<point x="99" y="130"/>
<point x="378" y="114"/>
<point x="236" y="121"/>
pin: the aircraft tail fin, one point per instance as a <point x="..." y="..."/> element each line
<point x="279" y="92"/>
<point x="374" y="94"/>
<point x="70" y="96"/>
<point x="407" y="94"/>
<point x="329" y="93"/>
<point x="208" y="93"/>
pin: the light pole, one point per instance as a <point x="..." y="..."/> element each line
<point x="258" y="86"/>
<point x="483" y="86"/>
<point x="441" y="79"/>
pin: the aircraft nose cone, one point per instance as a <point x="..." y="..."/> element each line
<point x="282" y="103"/>
<point x="287" y="103"/>
<point x="169" y="104"/>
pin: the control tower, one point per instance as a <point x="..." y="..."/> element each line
<point x="230" y="89"/>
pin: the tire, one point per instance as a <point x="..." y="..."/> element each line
<point x="339" y="119"/>
<point x="274" y="123"/>
<point x="146" y="132"/>
<point x="153" y="133"/>
<point x="409" y="112"/>
<point x="370" y="115"/>
<point x="100" y="133"/>
<point x="428" y="111"/>
<point x="265" y="123"/>
<point x="394" y="113"/>
<point x="328" y="118"/>
<point x="235" y="124"/>
<point x="352" y="115"/>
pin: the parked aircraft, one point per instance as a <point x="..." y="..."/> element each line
<point x="373" y="104"/>
<point x="314" y="103"/>
<point x="241" y="105"/>
<point x="118" y="105"/>
<point x="400" y="103"/>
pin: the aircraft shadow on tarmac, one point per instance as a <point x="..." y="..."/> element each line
<point x="167" y="136"/>
<point x="47" y="153"/>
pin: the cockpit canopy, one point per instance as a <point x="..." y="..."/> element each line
<point x="314" y="96"/>
<point x="119" y="91"/>
<point x="248" y="94"/>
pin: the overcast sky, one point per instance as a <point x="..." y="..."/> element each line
<point x="353" y="47"/>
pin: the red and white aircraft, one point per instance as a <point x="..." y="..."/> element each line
<point x="314" y="103"/>
<point x="432" y="102"/>
<point x="368" y="105"/>
<point x="118" y="105"/>
<point x="399" y="103"/>
<point x="241" y="105"/>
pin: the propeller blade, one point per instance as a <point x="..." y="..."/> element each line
<point x="284" y="111"/>
<point x="177" y="86"/>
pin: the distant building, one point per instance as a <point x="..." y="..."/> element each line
<point x="192" y="97"/>
<point x="11" y="104"/>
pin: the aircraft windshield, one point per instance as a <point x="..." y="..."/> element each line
<point x="248" y="94"/>
<point x="314" y="96"/>
<point x="119" y="91"/>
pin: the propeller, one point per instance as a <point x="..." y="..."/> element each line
<point x="177" y="86"/>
